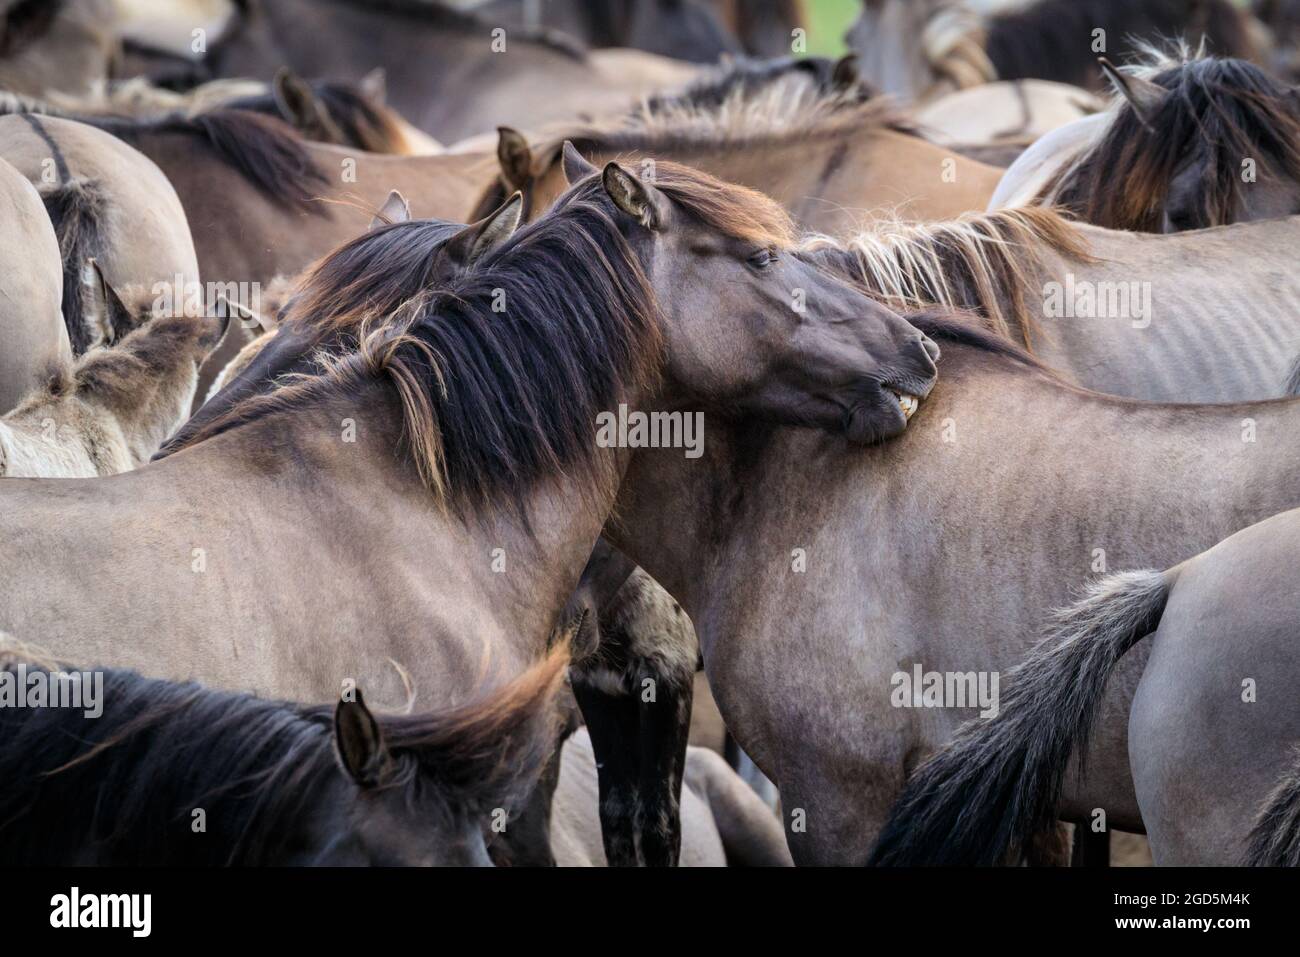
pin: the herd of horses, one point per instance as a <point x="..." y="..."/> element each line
<point x="308" y="327"/>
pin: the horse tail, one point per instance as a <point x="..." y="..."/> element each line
<point x="998" y="782"/>
<point x="1275" y="839"/>
<point x="77" y="209"/>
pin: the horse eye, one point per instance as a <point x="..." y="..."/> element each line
<point x="763" y="258"/>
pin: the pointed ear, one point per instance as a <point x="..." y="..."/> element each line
<point x="359" y="743"/>
<point x="217" y="328"/>
<point x="631" y="195"/>
<point x="515" y="157"/>
<point x="374" y="86"/>
<point x="575" y="167"/>
<point x="1144" y="96"/>
<point x="295" y="100"/>
<point x="104" y="312"/>
<point x="467" y="246"/>
<point x="844" y="76"/>
<point x="395" y="210"/>
<point x="249" y="319"/>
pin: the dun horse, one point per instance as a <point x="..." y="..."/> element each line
<point x="1211" y="731"/>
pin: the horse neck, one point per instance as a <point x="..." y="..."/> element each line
<point x="992" y="445"/>
<point x="529" y="559"/>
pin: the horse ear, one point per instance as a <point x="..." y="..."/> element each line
<point x="295" y="99"/>
<point x="515" y="157"/>
<point x="374" y="86"/>
<point x="1144" y="96"/>
<point x="467" y="246"/>
<point x="359" y="743"/>
<point x="395" y="210"/>
<point x="844" y="75"/>
<point x="575" y="166"/>
<point x="107" y="316"/>
<point x="631" y="195"/>
<point x="248" y="318"/>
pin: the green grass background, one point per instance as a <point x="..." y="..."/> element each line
<point x="827" y="21"/>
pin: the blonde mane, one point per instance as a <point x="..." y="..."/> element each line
<point x="985" y="262"/>
<point x="953" y="39"/>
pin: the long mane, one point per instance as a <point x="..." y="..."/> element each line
<point x="1224" y="110"/>
<point x="127" y="781"/>
<point x="744" y="104"/>
<point x="982" y="262"/>
<point x="502" y="371"/>
<point x="265" y="151"/>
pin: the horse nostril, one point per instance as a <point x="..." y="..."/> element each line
<point x="931" y="347"/>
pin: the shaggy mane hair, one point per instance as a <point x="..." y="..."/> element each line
<point x="496" y="401"/>
<point x="983" y="262"/>
<point x="1217" y="112"/>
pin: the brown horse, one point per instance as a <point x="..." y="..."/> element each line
<point x="62" y="45"/>
<point x="1191" y="143"/>
<point x="1211" y="730"/>
<point x="465" y="490"/>
<point x="452" y="73"/>
<point x="1034" y="482"/>
<point x="817" y="145"/>
<point x="107" y="202"/>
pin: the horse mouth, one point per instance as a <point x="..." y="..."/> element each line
<point x="907" y="402"/>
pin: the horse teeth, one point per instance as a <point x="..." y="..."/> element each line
<point x="908" y="403"/>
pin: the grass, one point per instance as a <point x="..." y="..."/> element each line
<point x="827" y="21"/>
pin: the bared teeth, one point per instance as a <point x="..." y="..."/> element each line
<point x="908" y="403"/>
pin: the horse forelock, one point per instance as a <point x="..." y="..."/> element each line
<point x="1221" y="109"/>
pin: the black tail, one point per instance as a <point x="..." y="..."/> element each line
<point x="999" y="781"/>
<point x="1275" y="839"/>
<point x="77" y="209"/>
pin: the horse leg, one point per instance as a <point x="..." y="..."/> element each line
<point x="612" y="722"/>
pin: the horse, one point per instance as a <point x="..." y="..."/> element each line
<point x="1015" y="112"/>
<point x="106" y="202"/>
<point x="1191" y="143"/>
<point x="324" y="111"/>
<point x="922" y="50"/>
<point x="294" y="200"/>
<point x="830" y="154"/>
<point x="1123" y="313"/>
<point x="33" y="337"/>
<point x="111" y="411"/>
<point x="1033" y="481"/>
<point x="447" y="69"/>
<point x="1211" y="727"/>
<point x="724" y="823"/>
<point x="690" y="30"/>
<point x="178" y="774"/>
<point x="63" y="45"/>
<point x="448" y="429"/>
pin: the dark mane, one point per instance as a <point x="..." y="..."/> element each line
<point x="495" y="402"/>
<point x="745" y="77"/>
<point x="964" y="329"/>
<point x="361" y="122"/>
<point x="1224" y="110"/>
<point x="26" y="21"/>
<point x="1048" y="40"/>
<point x="267" y="152"/>
<point x="746" y="103"/>
<point x="125" y="783"/>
